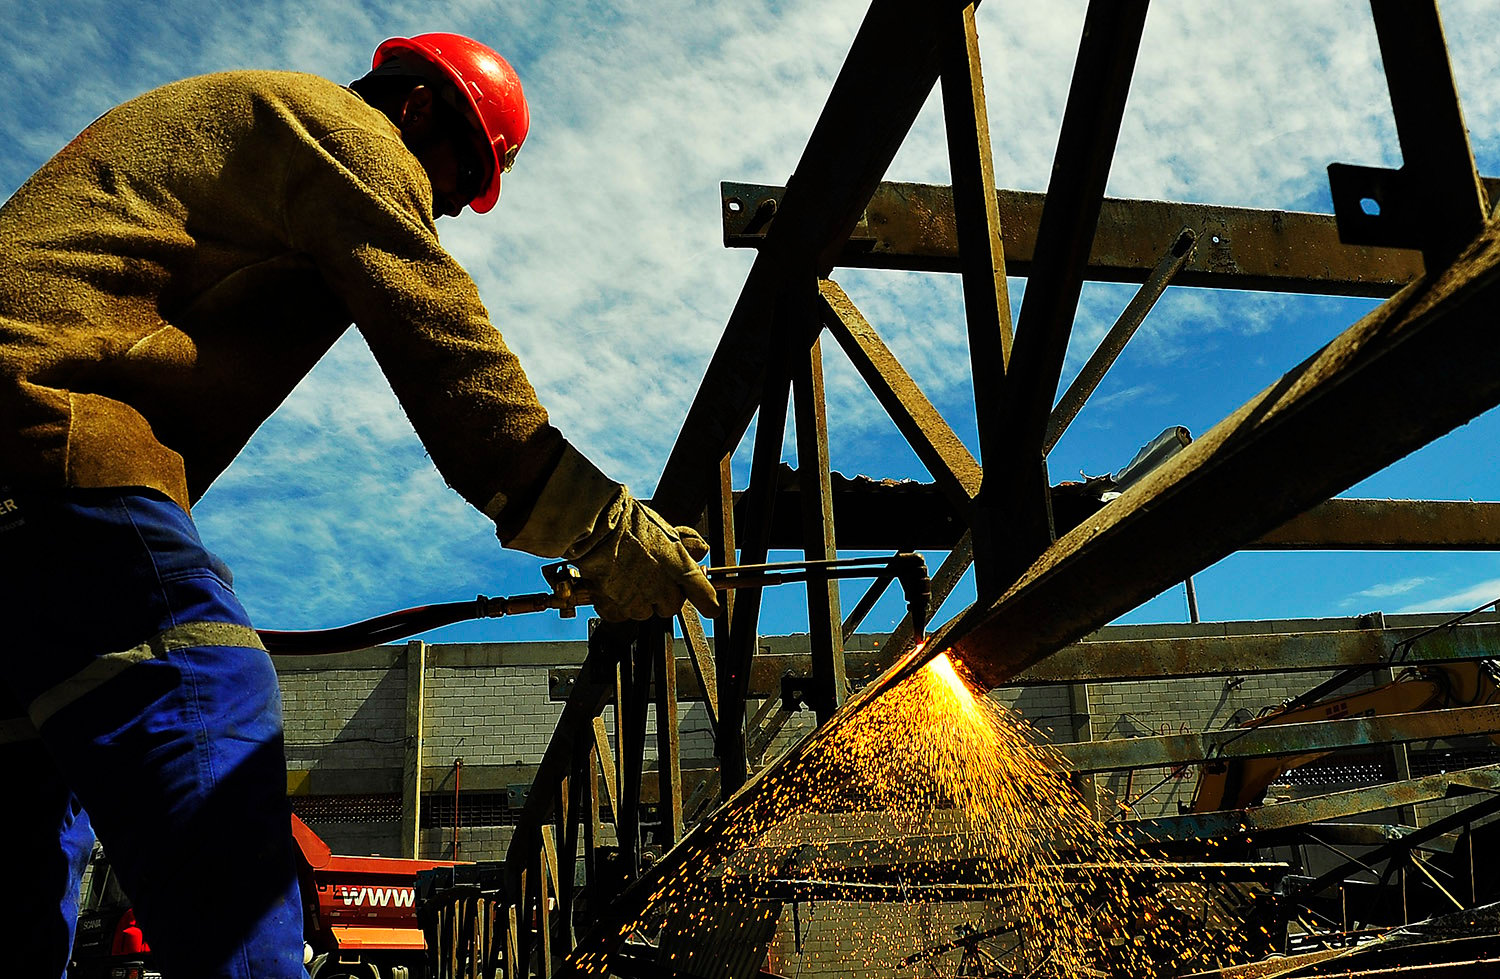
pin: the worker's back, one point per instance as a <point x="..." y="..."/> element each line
<point x="171" y="274"/>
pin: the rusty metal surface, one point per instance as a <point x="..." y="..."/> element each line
<point x="1301" y="812"/>
<point x="941" y="451"/>
<point x="910" y="226"/>
<point x="1363" y="525"/>
<point x="825" y="618"/>
<point x="986" y="306"/>
<point x="1102" y="660"/>
<point x="1174" y="749"/>
<point x="887" y="515"/>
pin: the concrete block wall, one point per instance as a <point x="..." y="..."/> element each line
<point x="488" y="715"/>
<point x="351" y="719"/>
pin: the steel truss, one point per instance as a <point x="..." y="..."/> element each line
<point x="1046" y="571"/>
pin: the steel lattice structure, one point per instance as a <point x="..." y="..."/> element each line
<point x="1046" y="568"/>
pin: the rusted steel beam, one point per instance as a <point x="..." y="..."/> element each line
<point x="1434" y="343"/>
<point x="701" y="660"/>
<point x="1102" y="660"/>
<point x="630" y="735"/>
<point x="1130" y="320"/>
<point x="734" y="656"/>
<point x="982" y="267"/>
<point x="591" y="691"/>
<point x="824" y="618"/>
<point x="1016" y="478"/>
<point x="824" y="888"/>
<point x="1445" y="196"/>
<point x="910" y="226"/>
<point x="942" y="452"/>
<point x="885" y="80"/>
<point x="1379" y="525"/>
<point x="1335" y="805"/>
<point x="656" y="635"/>
<point x="1284" y="739"/>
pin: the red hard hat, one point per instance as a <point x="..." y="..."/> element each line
<point x="487" y="81"/>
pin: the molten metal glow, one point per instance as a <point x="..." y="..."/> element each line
<point x="942" y="666"/>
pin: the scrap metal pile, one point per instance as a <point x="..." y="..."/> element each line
<point x="1046" y="559"/>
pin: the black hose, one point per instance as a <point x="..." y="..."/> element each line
<point x="374" y="632"/>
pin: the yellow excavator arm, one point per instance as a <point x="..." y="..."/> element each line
<point x="1237" y="783"/>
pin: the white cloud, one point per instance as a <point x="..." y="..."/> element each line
<point x="1474" y="596"/>
<point x="1390" y="589"/>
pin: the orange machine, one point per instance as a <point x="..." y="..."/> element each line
<point x="359" y="918"/>
<point x="1237" y="783"/>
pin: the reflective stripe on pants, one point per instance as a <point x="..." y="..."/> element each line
<point x="159" y="717"/>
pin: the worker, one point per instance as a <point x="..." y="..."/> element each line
<point x="165" y="281"/>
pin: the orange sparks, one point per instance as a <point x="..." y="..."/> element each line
<point x="935" y="785"/>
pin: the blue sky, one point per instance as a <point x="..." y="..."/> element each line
<point x="603" y="265"/>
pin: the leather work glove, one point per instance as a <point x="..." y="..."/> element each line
<point x="636" y="563"/>
<point x="642" y="566"/>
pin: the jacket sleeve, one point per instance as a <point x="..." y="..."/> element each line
<point x="361" y="207"/>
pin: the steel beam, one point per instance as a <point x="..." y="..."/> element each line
<point x="1435" y="343"/>
<point x="1103" y="660"/>
<point x="746" y="887"/>
<point x="656" y="636"/>
<point x="824" y="617"/>
<point x="1368" y="525"/>
<point x="1446" y="198"/>
<point x="1109" y="349"/>
<point x="574" y="731"/>
<point x="943" y="453"/>
<point x="1016" y="477"/>
<point x="1301" y="812"/>
<point x="911" y="226"/>
<point x="892" y="515"/>
<point x="1120" y="754"/>
<point x="734" y="656"/>
<point x="1320" y="808"/>
<point x="701" y="658"/>
<point x="982" y="267"/>
<point x="868" y="113"/>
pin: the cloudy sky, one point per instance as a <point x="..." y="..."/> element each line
<point x="604" y="268"/>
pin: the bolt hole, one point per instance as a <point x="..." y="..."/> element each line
<point x="735" y="206"/>
<point x="1370" y="206"/>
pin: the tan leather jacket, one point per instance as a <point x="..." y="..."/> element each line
<point x="173" y="272"/>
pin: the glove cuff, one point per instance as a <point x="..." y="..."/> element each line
<point x="571" y="503"/>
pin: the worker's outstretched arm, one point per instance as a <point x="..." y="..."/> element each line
<point x="464" y="390"/>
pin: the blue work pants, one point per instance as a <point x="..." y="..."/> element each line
<point x="139" y="705"/>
